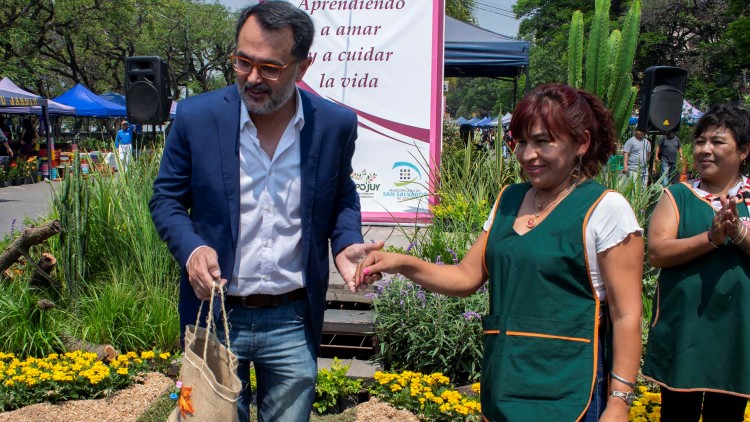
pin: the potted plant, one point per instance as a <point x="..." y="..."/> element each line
<point x="29" y="170"/>
<point x="14" y="173"/>
<point x="4" y="175"/>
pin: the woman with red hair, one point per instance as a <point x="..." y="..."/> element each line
<point x="564" y="259"/>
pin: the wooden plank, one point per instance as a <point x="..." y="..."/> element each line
<point x="343" y="294"/>
<point x="343" y="321"/>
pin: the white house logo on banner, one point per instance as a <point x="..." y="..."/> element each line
<point x="383" y="59"/>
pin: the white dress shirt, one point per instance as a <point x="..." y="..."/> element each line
<point x="268" y="259"/>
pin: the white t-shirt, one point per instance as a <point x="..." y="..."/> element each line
<point x="610" y="223"/>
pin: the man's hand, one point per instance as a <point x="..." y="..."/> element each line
<point x="203" y="270"/>
<point x="349" y="257"/>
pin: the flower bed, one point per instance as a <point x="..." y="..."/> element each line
<point x="73" y="375"/>
<point x="430" y="396"/>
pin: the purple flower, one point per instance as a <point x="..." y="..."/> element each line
<point x="410" y="247"/>
<point x="471" y="315"/>
<point x="439" y="260"/>
<point x="371" y="295"/>
<point x="421" y="297"/>
<point x="454" y="255"/>
<point x="12" y="227"/>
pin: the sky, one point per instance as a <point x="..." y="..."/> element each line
<point x="493" y="15"/>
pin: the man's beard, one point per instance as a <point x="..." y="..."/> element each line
<point x="274" y="101"/>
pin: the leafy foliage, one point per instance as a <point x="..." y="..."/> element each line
<point x="427" y="332"/>
<point x="332" y="386"/>
<point x="53" y="44"/>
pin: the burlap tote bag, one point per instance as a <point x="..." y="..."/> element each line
<point x="210" y="385"/>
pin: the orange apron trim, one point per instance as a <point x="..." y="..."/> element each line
<point x="523" y="334"/>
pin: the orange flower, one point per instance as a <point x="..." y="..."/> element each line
<point x="185" y="403"/>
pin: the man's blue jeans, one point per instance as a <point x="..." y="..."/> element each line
<point x="278" y="342"/>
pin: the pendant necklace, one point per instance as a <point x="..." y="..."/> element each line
<point x="540" y="209"/>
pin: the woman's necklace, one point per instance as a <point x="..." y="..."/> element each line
<point x="541" y="207"/>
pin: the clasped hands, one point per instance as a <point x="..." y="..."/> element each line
<point x="726" y="223"/>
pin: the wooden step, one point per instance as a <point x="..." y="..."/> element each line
<point x="346" y="321"/>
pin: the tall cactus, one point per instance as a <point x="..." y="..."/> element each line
<point x="72" y="205"/>
<point x="575" y="51"/>
<point x="609" y="59"/>
<point x="598" y="49"/>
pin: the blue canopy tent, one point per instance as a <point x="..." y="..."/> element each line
<point x="114" y="97"/>
<point x="483" y="122"/>
<point x="89" y="104"/>
<point x="461" y="121"/>
<point x="471" y="51"/>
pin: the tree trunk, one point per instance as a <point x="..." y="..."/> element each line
<point x="29" y="237"/>
<point x="47" y="264"/>
<point x="104" y="352"/>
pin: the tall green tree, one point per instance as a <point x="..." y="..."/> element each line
<point x="708" y="38"/>
<point x="47" y="46"/>
<point x="462" y="10"/>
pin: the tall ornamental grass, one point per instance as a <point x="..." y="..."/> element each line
<point x="122" y="289"/>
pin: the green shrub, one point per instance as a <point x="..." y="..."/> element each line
<point x="333" y="385"/>
<point x="427" y="332"/>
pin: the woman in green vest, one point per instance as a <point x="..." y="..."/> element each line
<point x="564" y="261"/>
<point x="699" y="340"/>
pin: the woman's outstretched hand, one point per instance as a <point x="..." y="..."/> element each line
<point x="376" y="263"/>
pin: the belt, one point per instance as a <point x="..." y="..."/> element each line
<point x="266" y="301"/>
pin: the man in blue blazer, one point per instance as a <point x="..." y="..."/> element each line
<point x="254" y="183"/>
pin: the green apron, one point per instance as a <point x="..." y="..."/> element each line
<point x="700" y="328"/>
<point x="541" y="335"/>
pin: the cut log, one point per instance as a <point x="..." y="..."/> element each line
<point x="104" y="352"/>
<point x="29" y="237"/>
<point x="47" y="264"/>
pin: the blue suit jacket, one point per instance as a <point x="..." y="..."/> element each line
<point x="196" y="197"/>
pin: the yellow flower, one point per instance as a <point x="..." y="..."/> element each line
<point x="122" y="371"/>
<point x="476" y="387"/>
<point x="165" y="355"/>
<point x="9" y="383"/>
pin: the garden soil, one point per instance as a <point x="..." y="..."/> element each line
<point x="128" y="404"/>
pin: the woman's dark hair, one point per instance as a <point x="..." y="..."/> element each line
<point x="277" y="15"/>
<point x="567" y="112"/>
<point x="735" y="119"/>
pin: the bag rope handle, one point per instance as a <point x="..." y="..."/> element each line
<point x="210" y="322"/>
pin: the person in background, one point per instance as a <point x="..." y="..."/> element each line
<point x="636" y="153"/>
<point x="699" y="339"/>
<point x="668" y="149"/>
<point x="559" y="289"/>
<point x="254" y="187"/>
<point x="4" y="142"/>
<point x="29" y="137"/>
<point x="124" y="143"/>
